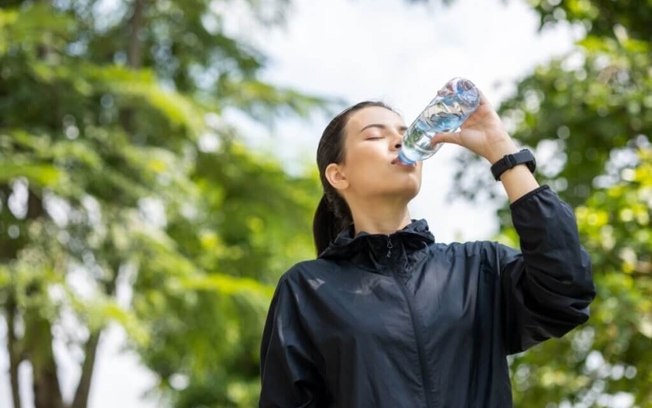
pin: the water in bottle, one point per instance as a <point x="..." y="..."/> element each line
<point x="452" y="105"/>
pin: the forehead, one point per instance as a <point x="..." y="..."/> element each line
<point x="373" y="115"/>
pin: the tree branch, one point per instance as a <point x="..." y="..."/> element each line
<point x="83" y="388"/>
<point x="90" y="351"/>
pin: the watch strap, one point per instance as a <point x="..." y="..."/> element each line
<point x="511" y="160"/>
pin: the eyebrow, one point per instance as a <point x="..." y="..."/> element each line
<point x="402" y="128"/>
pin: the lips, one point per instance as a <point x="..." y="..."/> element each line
<point x="398" y="162"/>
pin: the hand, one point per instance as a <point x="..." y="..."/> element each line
<point x="483" y="133"/>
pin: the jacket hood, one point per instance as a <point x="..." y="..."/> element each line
<point x="380" y="251"/>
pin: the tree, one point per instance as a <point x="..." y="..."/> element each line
<point x="605" y="359"/>
<point x="262" y="216"/>
<point x="114" y="207"/>
<point x="616" y="224"/>
<point x="587" y="116"/>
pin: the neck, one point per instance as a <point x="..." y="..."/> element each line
<point x="380" y="216"/>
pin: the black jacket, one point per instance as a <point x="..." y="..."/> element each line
<point x="401" y="321"/>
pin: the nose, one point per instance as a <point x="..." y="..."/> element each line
<point x="397" y="142"/>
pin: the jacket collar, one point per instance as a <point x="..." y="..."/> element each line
<point x="379" y="251"/>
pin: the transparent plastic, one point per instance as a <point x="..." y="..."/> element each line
<point x="452" y="105"/>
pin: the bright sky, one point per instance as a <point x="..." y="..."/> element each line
<point x="385" y="50"/>
<point x="358" y="50"/>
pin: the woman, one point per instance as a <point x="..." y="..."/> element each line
<point x="387" y="317"/>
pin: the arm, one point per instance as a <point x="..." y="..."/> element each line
<point x="289" y="377"/>
<point x="484" y="134"/>
<point x="547" y="288"/>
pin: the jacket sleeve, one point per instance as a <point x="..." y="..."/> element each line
<point x="547" y="288"/>
<point x="289" y="377"/>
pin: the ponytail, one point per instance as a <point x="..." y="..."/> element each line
<point x="331" y="217"/>
<point x="324" y="225"/>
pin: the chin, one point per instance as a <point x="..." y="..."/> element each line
<point x="410" y="190"/>
<point x="413" y="193"/>
<point x="414" y="183"/>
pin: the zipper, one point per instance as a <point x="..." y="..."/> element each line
<point x="420" y="352"/>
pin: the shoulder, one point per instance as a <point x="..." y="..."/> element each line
<point x="301" y="283"/>
<point x="464" y="249"/>
<point x="488" y="251"/>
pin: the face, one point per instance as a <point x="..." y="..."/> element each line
<point x="372" y="141"/>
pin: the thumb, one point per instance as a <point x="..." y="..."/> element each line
<point x="446" y="137"/>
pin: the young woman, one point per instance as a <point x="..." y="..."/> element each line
<point x="386" y="316"/>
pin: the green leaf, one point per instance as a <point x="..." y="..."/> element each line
<point x="41" y="174"/>
<point x="228" y="285"/>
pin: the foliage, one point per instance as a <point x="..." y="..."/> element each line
<point x="606" y="358"/>
<point x="126" y="198"/>
<point x="587" y="115"/>
<point x="251" y="226"/>
<point x="575" y="110"/>
<point x="601" y="18"/>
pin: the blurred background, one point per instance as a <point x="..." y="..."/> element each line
<point x="157" y="177"/>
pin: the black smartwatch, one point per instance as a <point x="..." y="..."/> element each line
<point x="509" y="161"/>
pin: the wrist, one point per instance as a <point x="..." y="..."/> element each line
<point x="499" y="150"/>
<point x="511" y="160"/>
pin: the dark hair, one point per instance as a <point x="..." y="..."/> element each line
<point x="333" y="213"/>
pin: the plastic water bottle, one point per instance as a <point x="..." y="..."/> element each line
<point x="454" y="103"/>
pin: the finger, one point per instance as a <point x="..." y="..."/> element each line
<point x="447" y="137"/>
<point x="483" y="98"/>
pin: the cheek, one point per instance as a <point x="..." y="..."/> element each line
<point x="361" y="159"/>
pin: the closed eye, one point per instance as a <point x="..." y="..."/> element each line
<point x="401" y="130"/>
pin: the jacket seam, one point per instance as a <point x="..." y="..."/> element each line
<point x="425" y="376"/>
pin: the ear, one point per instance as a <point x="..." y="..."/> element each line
<point x="336" y="177"/>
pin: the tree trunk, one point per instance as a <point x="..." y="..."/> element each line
<point x="83" y="388"/>
<point x="13" y="351"/>
<point x="82" y="393"/>
<point x="134" y="53"/>
<point x="8" y="247"/>
<point x="47" y="392"/>
<point x="8" y="252"/>
<point x="34" y="206"/>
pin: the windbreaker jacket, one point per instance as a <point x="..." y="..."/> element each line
<point x="399" y="321"/>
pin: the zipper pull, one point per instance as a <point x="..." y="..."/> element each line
<point x="389" y="247"/>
